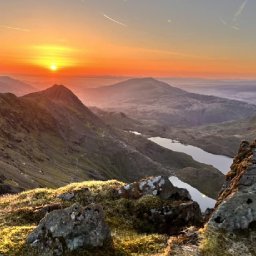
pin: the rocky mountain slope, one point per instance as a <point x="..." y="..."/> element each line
<point x="11" y="85"/>
<point x="50" y="138"/>
<point x="156" y="102"/>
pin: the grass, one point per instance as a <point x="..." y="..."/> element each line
<point x="220" y="243"/>
<point x="19" y="215"/>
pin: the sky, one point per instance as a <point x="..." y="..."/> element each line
<point x="168" y="38"/>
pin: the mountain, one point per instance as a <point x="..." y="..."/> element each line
<point x="223" y="138"/>
<point x="8" y="84"/>
<point x="49" y="138"/>
<point x="118" y="119"/>
<point x="156" y="103"/>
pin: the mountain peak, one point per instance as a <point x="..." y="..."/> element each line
<point x="145" y="85"/>
<point x="58" y="94"/>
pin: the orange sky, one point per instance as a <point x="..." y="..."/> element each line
<point x="79" y="38"/>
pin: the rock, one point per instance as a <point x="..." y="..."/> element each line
<point x="169" y="217"/>
<point x="67" y="196"/>
<point x="238" y="211"/>
<point x="158" y="186"/>
<point x="236" y="205"/>
<point x="207" y="214"/>
<point x="69" y="229"/>
<point x="185" y="244"/>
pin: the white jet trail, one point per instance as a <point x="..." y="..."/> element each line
<point x="240" y="10"/>
<point x="115" y="21"/>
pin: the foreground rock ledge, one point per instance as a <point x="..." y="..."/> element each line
<point x="237" y="202"/>
<point x="70" y="229"/>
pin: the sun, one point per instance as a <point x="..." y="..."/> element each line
<point x="53" y="67"/>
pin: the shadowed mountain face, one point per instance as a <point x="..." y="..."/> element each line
<point x="50" y="138"/>
<point x="159" y="103"/>
<point x="10" y="85"/>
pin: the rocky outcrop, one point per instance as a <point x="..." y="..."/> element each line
<point x="158" y="186"/>
<point x="161" y="207"/>
<point x="236" y="206"/>
<point x="70" y="229"/>
<point x="168" y="217"/>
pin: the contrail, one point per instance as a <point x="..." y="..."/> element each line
<point x="239" y="11"/>
<point x="223" y="21"/>
<point x="115" y="21"/>
<point x="15" y="28"/>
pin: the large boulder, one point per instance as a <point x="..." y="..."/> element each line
<point x="237" y="212"/>
<point x="69" y="229"/>
<point x="159" y="186"/>
<point x="236" y="205"/>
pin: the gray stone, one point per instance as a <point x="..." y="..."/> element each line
<point x="158" y="186"/>
<point x="238" y="211"/>
<point x="248" y="178"/>
<point x="70" y="229"/>
<point x="67" y="196"/>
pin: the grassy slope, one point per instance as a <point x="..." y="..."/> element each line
<point x="19" y="215"/>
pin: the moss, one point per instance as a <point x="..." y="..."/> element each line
<point x="12" y="239"/>
<point x="19" y="216"/>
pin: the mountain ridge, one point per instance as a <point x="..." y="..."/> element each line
<point x="15" y="86"/>
<point x="47" y="142"/>
<point x="158" y="103"/>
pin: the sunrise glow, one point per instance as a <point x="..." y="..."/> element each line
<point x="113" y="39"/>
<point x="53" y="67"/>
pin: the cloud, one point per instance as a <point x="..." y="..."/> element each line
<point x="115" y="21"/>
<point x="239" y="11"/>
<point x="223" y="21"/>
<point x="234" y="24"/>
<point x="15" y="28"/>
<point x="235" y="27"/>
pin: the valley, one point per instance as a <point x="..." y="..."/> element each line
<point x="57" y="140"/>
<point x="50" y="138"/>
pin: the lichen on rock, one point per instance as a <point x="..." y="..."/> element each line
<point x="159" y="186"/>
<point x="67" y="230"/>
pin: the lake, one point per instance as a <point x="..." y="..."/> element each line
<point x="220" y="162"/>
<point x="203" y="200"/>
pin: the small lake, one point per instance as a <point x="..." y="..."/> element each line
<point x="203" y="200"/>
<point x="220" y="162"/>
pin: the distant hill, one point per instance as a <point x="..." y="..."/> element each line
<point x="11" y="85"/>
<point x="49" y="138"/>
<point x="157" y="103"/>
<point x="223" y="139"/>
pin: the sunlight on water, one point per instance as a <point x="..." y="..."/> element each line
<point x="221" y="163"/>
